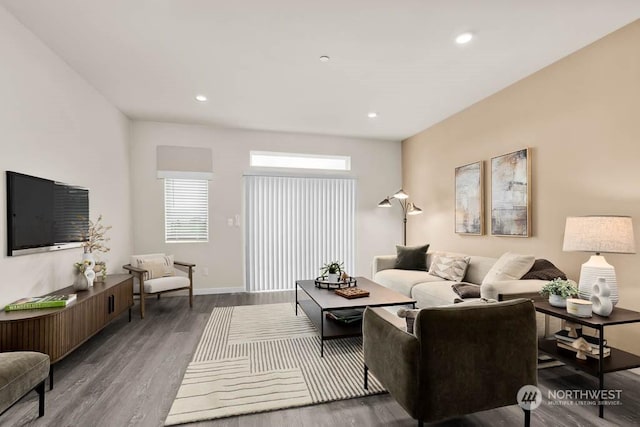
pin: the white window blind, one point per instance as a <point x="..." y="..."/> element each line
<point x="294" y="225"/>
<point x="186" y="210"/>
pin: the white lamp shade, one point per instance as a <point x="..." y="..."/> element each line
<point x="400" y="194"/>
<point x="600" y="234"/>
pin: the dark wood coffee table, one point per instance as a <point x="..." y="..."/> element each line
<point x="322" y="300"/>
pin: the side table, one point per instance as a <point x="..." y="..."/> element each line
<point x="618" y="360"/>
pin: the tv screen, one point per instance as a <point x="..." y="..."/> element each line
<point x="44" y="215"/>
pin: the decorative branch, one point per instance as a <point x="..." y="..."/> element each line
<point x="95" y="237"/>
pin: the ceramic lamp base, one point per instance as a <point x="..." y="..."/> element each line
<point x="596" y="267"/>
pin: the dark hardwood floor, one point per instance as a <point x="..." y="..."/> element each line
<point x="128" y="375"/>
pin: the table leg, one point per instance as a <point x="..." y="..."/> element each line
<point x="50" y="377"/>
<point x="321" y="333"/>
<point x="296" y="299"/>
<point x="601" y="371"/>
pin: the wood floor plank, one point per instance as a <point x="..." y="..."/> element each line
<point x="129" y="374"/>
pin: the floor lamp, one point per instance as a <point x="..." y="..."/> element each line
<point x="408" y="208"/>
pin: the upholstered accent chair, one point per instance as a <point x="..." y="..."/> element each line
<point x="459" y="360"/>
<point x="154" y="274"/>
<point x="20" y="373"/>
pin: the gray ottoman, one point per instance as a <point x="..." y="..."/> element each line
<point x="21" y="372"/>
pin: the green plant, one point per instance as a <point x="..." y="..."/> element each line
<point x="81" y="266"/>
<point x="334" y="267"/>
<point x="557" y="286"/>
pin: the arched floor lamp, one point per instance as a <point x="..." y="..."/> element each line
<point x="408" y="208"/>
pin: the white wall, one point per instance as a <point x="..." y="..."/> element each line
<point x="54" y="125"/>
<point x="376" y="164"/>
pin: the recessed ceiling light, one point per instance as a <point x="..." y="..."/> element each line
<point x="464" y="38"/>
<point x="324" y="58"/>
<point x="372" y="115"/>
<point x="201" y="98"/>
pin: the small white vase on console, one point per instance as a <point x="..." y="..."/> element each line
<point x="557" y="300"/>
<point x="601" y="298"/>
<point x="88" y="271"/>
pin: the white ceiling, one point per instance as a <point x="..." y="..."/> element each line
<point x="258" y="60"/>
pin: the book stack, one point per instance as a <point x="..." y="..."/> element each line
<point x="347" y="315"/>
<point x="50" y="301"/>
<point x="563" y="340"/>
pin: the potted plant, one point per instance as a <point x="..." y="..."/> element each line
<point x="332" y="271"/>
<point x="558" y="291"/>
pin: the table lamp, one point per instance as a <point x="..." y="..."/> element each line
<point x="599" y="234"/>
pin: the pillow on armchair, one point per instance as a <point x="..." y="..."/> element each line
<point x="157" y="265"/>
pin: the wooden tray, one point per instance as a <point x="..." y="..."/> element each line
<point x="351" y="293"/>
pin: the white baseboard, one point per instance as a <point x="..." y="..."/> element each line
<point x="212" y="291"/>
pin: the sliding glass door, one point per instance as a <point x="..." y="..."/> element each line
<point x="294" y="225"/>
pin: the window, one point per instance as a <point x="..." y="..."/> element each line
<point x="300" y="161"/>
<point x="186" y="210"/>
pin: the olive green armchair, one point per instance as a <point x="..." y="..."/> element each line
<point x="459" y="360"/>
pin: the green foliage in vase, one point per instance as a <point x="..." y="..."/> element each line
<point x="557" y="286"/>
<point x="334" y="267"/>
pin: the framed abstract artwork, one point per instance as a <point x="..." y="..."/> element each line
<point x="469" y="212"/>
<point x="511" y="194"/>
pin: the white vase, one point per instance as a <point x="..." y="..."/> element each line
<point x="601" y="298"/>
<point x="557" y="300"/>
<point x="333" y="277"/>
<point x="88" y="271"/>
<point x="80" y="284"/>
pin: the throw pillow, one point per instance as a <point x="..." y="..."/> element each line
<point x="449" y="267"/>
<point x="411" y="257"/>
<point x="544" y="270"/>
<point x="409" y="315"/>
<point x="510" y="266"/>
<point x="157" y="267"/>
<point x="466" y="290"/>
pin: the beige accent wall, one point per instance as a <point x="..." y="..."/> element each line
<point x="581" y="118"/>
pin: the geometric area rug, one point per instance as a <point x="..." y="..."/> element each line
<point x="258" y="358"/>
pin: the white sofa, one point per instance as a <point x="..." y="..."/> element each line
<point x="431" y="291"/>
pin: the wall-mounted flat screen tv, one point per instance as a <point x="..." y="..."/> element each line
<point x="44" y="215"/>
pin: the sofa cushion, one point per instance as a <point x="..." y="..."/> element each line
<point x="510" y="266"/>
<point x="20" y="372"/>
<point x="411" y="257"/>
<point x="544" y="270"/>
<point x="478" y="268"/>
<point x="403" y="280"/>
<point x="433" y="294"/>
<point x="449" y="267"/>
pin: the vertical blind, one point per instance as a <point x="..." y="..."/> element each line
<point x="294" y="225"/>
<point x="186" y="209"/>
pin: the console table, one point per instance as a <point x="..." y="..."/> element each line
<point x="59" y="331"/>
<point x="618" y="360"/>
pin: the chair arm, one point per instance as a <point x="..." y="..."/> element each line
<point x="184" y="264"/>
<point x="133" y="269"/>
<point x="383" y="262"/>
<point x="507" y="289"/>
<point x="392" y="355"/>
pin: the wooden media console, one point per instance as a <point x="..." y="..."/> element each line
<point x="59" y="331"/>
